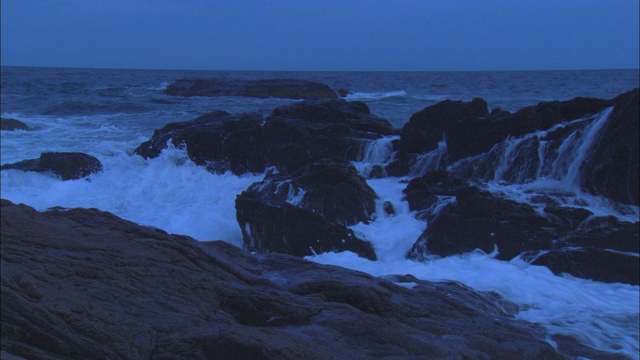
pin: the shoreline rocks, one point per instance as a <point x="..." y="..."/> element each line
<point x="65" y="165"/>
<point x="7" y="124"/>
<point x="83" y="283"/>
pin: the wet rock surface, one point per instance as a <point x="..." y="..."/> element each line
<point x="307" y="211"/>
<point x="81" y="283"/>
<point x="291" y="136"/>
<point x="8" y="124"/>
<point x="65" y="165"/>
<point x="276" y="88"/>
<point x="566" y="239"/>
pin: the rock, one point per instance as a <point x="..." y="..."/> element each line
<point x="66" y="165"/>
<point x="306" y="212"/>
<point x="423" y="192"/>
<point x="12" y="124"/>
<point x="291" y="136"/>
<point x="479" y="220"/>
<point x="343" y="92"/>
<point x="427" y="127"/>
<point x="590" y="263"/>
<point x="612" y="168"/>
<point x="218" y="140"/>
<point x="277" y="88"/>
<point x="82" y="283"/>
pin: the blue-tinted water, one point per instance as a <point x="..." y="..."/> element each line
<point x="108" y="113"/>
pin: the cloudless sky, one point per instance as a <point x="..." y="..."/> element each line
<point x="322" y="34"/>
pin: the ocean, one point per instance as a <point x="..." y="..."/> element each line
<point x="107" y="113"/>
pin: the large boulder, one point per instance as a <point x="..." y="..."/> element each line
<point x="277" y="88"/>
<point x="65" y="165"/>
<point x="612" y="168"/>
<point x="218" y="140"/>
<point x="292" y="135"/>
<point x="82" y="283"/>
<point x="12" y="124"/>
<point x="307" y="211"/>
<point x="428" y="126"/>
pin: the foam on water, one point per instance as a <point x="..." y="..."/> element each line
<point x="375" y="95"/>
<point x="604" y="316"/>
<point x="169" y="192"/>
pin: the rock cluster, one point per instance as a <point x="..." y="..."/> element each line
<point x="82" y="283"/>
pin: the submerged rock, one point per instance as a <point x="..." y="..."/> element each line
<point x="66" y="165"/>
<point x="277" y="88"/>
<point x="12" y="124"/>
<point x="82" y="283"/>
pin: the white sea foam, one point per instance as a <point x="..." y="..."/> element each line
<point x="374" y="95"/>
<point x="169" y="192"/>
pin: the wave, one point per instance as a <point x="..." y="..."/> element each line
<point x="375" y="95"/>
<point x="86" y="108"/>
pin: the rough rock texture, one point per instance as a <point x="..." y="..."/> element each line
<point x="277" y="88"/>
<point x="66" y="165"/>
<point x="218" y="140"/>
<point x="82" y="283"/>
<point x="291" y="136"/>
<point x="469" y="128"/>
<point x="307" y="210"/>
<point x="612" y="169"/>
<point x="571" y="240"/>
<point x="12" y="124"/>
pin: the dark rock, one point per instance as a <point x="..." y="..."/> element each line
<point x="591" y="263"/>
<point x="427" y="127"/>
<point x="480" y="220"/>
<point x="66" y="165"/>
<point x="12" y="124"/>
<point x="85" y="284"/>
<point x="612" y="168"/>
<point x="307" y="211"/>
<point x="343" y="92"/>
<point x="291" y="136"/>
<point x="467" y="138"/>
<point x="422" y="192"/>
<point x="277" y="88"/>
<point x="218" y="140"/>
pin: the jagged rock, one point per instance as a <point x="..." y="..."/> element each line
<point x="291" y="136"/>
<point x="277" y="88"/>
<point x="307" y="211"/>
<point x="612" y="169"/>
<point x="219" y="140"/>
<point x="82" y="283"/>
<point x="589" y="262"/>
<point x="423" y="192"/>
<point x="66" y="165"/>
<point x="428" y="126"/>
<point x="12" y="124"/>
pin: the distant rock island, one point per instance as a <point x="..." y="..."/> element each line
<point x="275" y="88"/>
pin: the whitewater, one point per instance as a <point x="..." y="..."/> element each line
<point x="108" y="113"/>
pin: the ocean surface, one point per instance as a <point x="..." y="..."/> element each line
<point x="108" y="113"/>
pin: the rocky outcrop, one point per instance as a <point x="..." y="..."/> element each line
<point x="82" y="283"/>
<point x="612" y="168"/>
<point x="307" y="211"/>
<point x="218" y="140"/>
<point x="65" y="165"/>
<point x="291" y="136"/>
<point x="566" y="239"/>
<point x="12" y="124"/>
<point x="276" y="88"/>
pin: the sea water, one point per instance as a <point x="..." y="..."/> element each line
<point x="108" y="113"/>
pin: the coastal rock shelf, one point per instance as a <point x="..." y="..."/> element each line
<point x="82" y="283"/>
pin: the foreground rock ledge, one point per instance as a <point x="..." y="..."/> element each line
<point x="82" y="283"/>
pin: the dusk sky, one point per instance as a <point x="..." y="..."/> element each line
<point x="322" y="35"/>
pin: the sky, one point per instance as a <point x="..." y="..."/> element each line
<point x="378" y="35"/>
